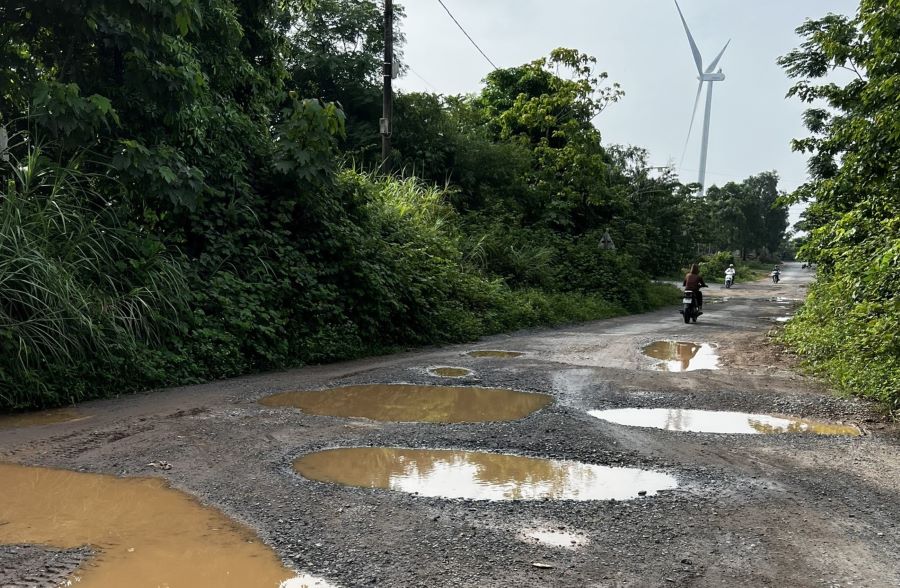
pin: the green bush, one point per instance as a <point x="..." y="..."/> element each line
<point x="80" y="292"/>
<point x="847" y="329"/>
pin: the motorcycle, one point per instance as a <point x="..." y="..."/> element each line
<point x="691" y="310"/>
<point x="729" y="280"/>
<point x="776" y="276"/>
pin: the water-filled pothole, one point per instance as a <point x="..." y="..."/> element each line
<point x="711" y="421"/>
<point x="784" y="319"/>
<point x="683" y="356"/>
<point x="44" y="417"/>
<point x="411" y="403"/>
<point x="477" y="475"/>
<point x="496" y="353"/>
<point x="449" y="372"/>
<point x="146" y="533"/>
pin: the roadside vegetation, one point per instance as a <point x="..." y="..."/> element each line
<point x="848" y="329"/>
<point x="192" y="190"/>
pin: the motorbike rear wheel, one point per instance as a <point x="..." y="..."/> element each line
<point x="688" y="311"/>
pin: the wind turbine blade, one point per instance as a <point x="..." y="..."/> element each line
<point x="715" y="62"/>
<point x="691" y="127"/>
<point x="697" y="58"/>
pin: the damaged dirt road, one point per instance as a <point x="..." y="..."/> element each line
<point x="777" y="509"/>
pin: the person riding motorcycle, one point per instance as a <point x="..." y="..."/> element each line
<point x="693" y="281"/>
<point x="729" y="272"/>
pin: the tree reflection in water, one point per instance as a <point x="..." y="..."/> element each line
<point x="683" y="356"/>
<point x="714" y="421"/>
<point x="478" y="475"/>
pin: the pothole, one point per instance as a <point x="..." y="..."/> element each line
<point x="476" y="475"/>
<point x="712" y="421"/>
<point x="141" y="529"/>
<point x="411" y="403"/>
<point x="449" y="372"/>
<point x="43" y="417"/>
<point x="683" y="356"/>
<point x="496" y="353"/>
<point x="558" y="538"/>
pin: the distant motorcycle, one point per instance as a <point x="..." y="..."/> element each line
<point x="729" y="280"/>
<point x="776" y="276"/>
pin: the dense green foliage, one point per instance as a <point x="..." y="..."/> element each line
<point x="184" y="199"/>
<point x="849" y="326"/>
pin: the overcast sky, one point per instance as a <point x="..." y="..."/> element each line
<point x="642" y="45"/>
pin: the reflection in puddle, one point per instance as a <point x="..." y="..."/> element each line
<point x="495" y="353"/>
<point x="682" y="356"/>
<point x="478" y="475"/>
<point x="146" y="533"/>
<point x="44" y="417"/>
<point x="784" y="319"/>
<point x="410" y="403"/>
<point x="711" y="421"/>
<point x="554" y="538"/>
<point x="449" y="372"/>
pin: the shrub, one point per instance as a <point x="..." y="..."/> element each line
<point x="80" y="291"/>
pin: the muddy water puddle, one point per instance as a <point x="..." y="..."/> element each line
<point x="476" y="475"/>
<point x="44" y="417"/>
<point x="411" y="403"/>
<point x="711" y="421"/>
<point x="683" y="356"/>
<point x="495" y="353"/>
<point x="450" y="372"/>
<point x="145" y="533"/>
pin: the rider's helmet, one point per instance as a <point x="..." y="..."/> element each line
<point x="730" y="265"/>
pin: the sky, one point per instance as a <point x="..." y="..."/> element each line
<point x="641" y="44"/>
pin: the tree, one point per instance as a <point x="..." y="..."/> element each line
<point x="537" y="106"/>
<point x="849" y="326"/>
<point x="335" y="54"/>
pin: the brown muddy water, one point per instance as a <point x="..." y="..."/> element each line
<point x="712" y="421"/>
<point x="476" y="475"/>
<point x="495" y="353"/>
<point x="450" y="372"/>
<point x="683" y="356"/>
<point x="411" y="403"/>
<point x="44" y="417"/>
<point x="146" y="534"/>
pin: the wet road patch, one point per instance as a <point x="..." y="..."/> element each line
<point x="412" y="403"/>
<point x="449" y="372"/>
<point x="495" y="353"/>
<point x="683" y="356"/>
<point x="43" y="417"/>
<point x="144" y="533"/>
<point x="712" y="421"/>
<point x="554" y="538"/>
<point x="476" y="475"/>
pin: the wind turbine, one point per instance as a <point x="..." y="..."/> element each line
<point x="708" y="76"/>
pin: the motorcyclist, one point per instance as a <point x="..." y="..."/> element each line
<point x="729" y="272"/>
<point x="693" y="281"/>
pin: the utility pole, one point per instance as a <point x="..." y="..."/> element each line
<point x="388" y="98"/>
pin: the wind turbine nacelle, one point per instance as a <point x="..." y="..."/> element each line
<point x="712" y="77"/>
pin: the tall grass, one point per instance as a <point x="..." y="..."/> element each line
<point x="77" y="287"/>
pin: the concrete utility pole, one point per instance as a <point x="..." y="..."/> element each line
<point x="387" y="73"/>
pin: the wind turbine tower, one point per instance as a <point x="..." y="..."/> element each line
<point x="709" y="76"/>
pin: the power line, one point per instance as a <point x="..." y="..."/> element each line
<point x="483" y="54"/>
<point x="427" y="83"/>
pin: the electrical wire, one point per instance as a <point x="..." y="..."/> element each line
<point x="483" y="54"/>
<point x="418" y="75"/>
